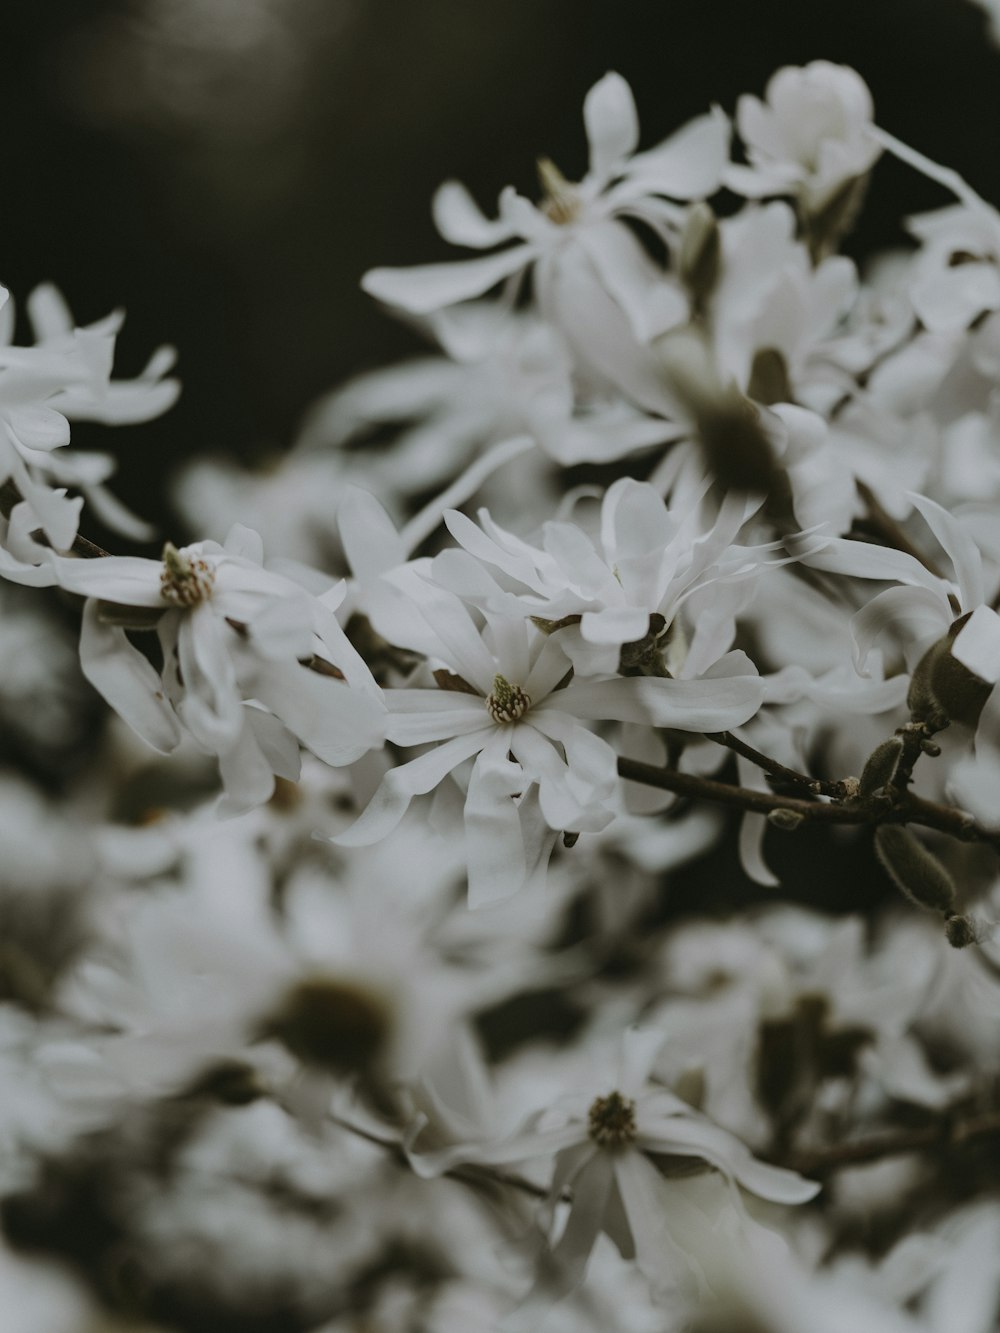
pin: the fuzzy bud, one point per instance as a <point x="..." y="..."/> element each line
<point x="769" y="382"/>
<point x="880" y="767"/>
<point x="943" y="688"/>
<point x="915" y="871"/>
<point x="960" y="932"/>
<point x="786" y="820"/>
<point x="700" y="252"/>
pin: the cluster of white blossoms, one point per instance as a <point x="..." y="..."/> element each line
<point x="453" y="949"/>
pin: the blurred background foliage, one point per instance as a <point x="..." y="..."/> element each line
<point x="227" y="169"/>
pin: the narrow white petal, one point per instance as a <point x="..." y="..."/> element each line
<point x="399" y="786"/>
<point x="430" y="287"/>
<point x="121" y="674"/>
<point x="461" y="221"/>
<point x="691" y="705"/>
<point x="417" y="717"/>
<point x="612" y="124"/>
<point x="495" y="850"/>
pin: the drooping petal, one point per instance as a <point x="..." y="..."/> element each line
<point x="399" y="786"/>
<point x="653" y="1214"/>
<point x="210" y="707"/>
<point x="247" y="777"/>
<point x="959" y="547"/>
<point x="495" y="851"/>
<point x="336" y="722"/>
<point x="689" y="1137"/>
<point x="125" y="678"/>
<point x="977" y="644"/>
<point x="651" y="302"/>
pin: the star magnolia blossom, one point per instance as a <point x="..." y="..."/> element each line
<point x="583" y="256"/>
<point x="602" y="1148"/>
<point x="67" y="376"/>
<point x="508" y="704"/>
<point x="647" y="559"/>
<point x="811" y="135"/>
<point x="230" y="632"/>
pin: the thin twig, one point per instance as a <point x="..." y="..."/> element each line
<point x="909" y="809"/>
<point x="774" y="769"/>
<point x="946" y="1133"/>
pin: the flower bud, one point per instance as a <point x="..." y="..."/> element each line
<point x="915" y="871"/>
<point x="943" y="689"/>
<point x="786" y="820"/>
<point x="880" y="767"/>
<point x="960" y="932"/>
<point x="769" y="382"/>
<point x="700" y="252"/>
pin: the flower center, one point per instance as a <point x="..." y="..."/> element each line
<point x="185" y="580"/>
<point x="611" y="1120"/>
<point x="507" y="702"/>
<point x="561" y="203"/>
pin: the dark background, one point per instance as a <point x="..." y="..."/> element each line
<point x="227" y="169"/>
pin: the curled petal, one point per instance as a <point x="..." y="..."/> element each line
<point x="123" y="677"/>
<point x="429" y="287"/>
<point x="399" y="786"/>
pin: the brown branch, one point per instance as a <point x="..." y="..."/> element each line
<point x="946" y="1133"/>
<point x="773" y="769"/>
<point x="909" y="809"/>
<point x="470" y="1174"/>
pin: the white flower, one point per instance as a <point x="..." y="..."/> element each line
<point x="647" y="559"/>
<point x="233" y="635"/>
<point x="601" y="1148"/>
<point x="539" y="768"/>
<point x="592" y="278"/>
<point x="811" y="136"/>
<point x="65" y="377"/>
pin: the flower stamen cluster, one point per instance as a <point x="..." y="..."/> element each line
<point x="506" y="702"/>
<point x="186" y="580"/>
<point x="611" y="1120"/>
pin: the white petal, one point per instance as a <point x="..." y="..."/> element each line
<point x="691" y="705"/>
<point x="654" y="1212"/>
<point x="494" y="844"/>
<point x="920" y="613"/>
<point x="368" y="534"/>
<point x="460" y="220"/>
<point x="690" y="163"/>
<point x="128" y="580"/>
<point x="698" y="1138"/>
<point x="651" y="302"/>
<point x="399" y="786"/>
<point x="429" y="287"/>
<point x="977" y="644"/>
<point x="615" y="624"/>
<point x="121" y="674"/>
<point x="959" y="547"/>
<point x="612" y="124"/>
<point x="337" y="723"/>
<point x="211" y="708"/>
<point x="247" y="777"/>
<point x="417" y="717"/>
